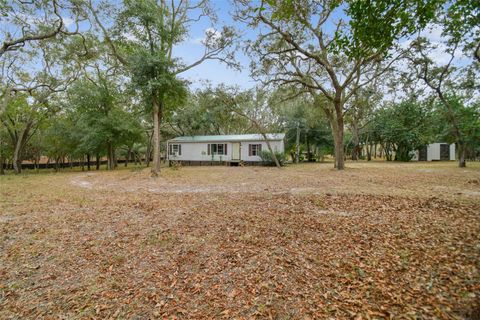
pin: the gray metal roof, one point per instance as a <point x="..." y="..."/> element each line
<point x="233" y="137"/>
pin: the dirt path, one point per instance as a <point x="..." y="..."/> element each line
<point x="437" y="180"/>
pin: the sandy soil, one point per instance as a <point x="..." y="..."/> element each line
<point x="411" y="179"/>
<point x="379" y="240"/>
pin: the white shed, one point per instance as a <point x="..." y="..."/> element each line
<point x="435" y="152"/>
<point x="216" y="149"/>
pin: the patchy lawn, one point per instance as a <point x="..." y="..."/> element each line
<point x="379" y="240"/>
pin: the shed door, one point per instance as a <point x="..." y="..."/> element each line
<point x="444" y="152"/>
<point x="422" y="154"/>
<point x="236" y="151"/>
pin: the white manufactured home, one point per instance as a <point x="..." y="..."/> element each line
<point x="218" y="149"/>
<point x="435" y="152"/>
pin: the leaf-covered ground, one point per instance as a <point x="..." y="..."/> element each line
<point x="380" y="240"/>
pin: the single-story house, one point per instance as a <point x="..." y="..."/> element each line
<point x="435" y="152"/>
<point x="217" y="149"/>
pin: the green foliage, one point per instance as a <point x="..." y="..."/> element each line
<point x="267" y="158"/>
<point x="60" y="137"/>
<point x="373" y="26"/>
<point x="299" y="114"/>
<point x="376" y="25"/>
<point x="20" y="111"/>
<point x="461" y="22"/>
<point x="152" y="73"/>
<point x="6" y="149"/>
<point x="99" y="118"/>
<point x="204" y="114"/>
<point x="467" y="118"/>
<point x="103" y="106"/>
<point x="406" y="126"/>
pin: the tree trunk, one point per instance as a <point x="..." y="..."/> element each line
<point x="156" y="137"/>
<point x="461" y="155"/>
<point x="129" y="151"/>
<point x="339" y="152"/>
<point x="385" y="152"/>
<point x="110" y="159"/>
<point x="97" y="162"/>
<point x="88" y="161"/>
<point x="356" y="143"/>
<point x="335" y="117"/>
<point x="337" y="128"/>
<point x="309" y="154"/>
<point x="38" y="158"/>
<point x="388" y="151"/>
<point x="369" y="151"/>
<point x="149" y="149"/>
<point x="57" y="160"/>
<point x="354" y="153"/>
<point x="456" y="128"/>
<point x="2" y="163"/>
<point x="367" y="145"/>
<point x="17" y="161"/>
<point x="297" y="145"/>
<point x="274" y="156"/>
<point x="19" y="145"/>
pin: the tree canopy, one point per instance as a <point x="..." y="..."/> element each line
<point x="351" y="79"/>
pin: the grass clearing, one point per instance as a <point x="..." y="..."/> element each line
<point x="378" y="240"/>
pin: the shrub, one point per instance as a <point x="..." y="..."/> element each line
<point x="175" y="165"/>
<point x="267" y="158"/>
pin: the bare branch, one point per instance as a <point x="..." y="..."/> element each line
<point x="20" y="42"/>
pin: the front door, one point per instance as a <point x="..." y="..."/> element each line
<point x="444" y="152"/>
<point x="236" y="151"/>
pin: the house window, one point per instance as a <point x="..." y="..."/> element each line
<point x="217" y="149"/>
<point x="254" y="149"/>
<point x="175" y="150"/>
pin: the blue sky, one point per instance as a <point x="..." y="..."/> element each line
<point x="215" y="71"/>
<point x="191" y="49"/>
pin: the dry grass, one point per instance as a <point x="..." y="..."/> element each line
<point x="378" y="240"/>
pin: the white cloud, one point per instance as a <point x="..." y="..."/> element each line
<point x="405" y="44"/>
<point x="438" y="53"/>
<point x="33" y="19"/>
<point x="130" y="36"/>
<point x="433" y="32"/>
<point x="67" y="21"/>
<point x="211" y="36"/>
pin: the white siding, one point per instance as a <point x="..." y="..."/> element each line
<point x="197" y="151"/>
<point x="433" y="152"/>
<point x="453" y="154"/>
<point x="276" y="146"/>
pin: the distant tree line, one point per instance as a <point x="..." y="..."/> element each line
<point x="85" y="81"/>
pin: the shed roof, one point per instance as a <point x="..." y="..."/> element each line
<point x="232" y="137"/>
